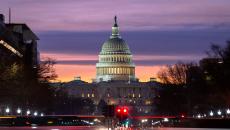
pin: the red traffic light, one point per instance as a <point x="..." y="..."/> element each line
<point x="118" y="110"/>
<point x="122" y="110"/>
<point x="122" y="113"/>
<point x="125" y="110"/>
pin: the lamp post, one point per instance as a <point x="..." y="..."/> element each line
<point x="35" y="113"/>
<point x="199" y="116"/>
<point x="28" y="112"/>
<point x="211" y="113"/>
<point x="42" y="114"/>
<point x="228" y="111"/>
<point x="19" y="111"/>
<point x="7" y="110"/>
<point x="219" y="112"/>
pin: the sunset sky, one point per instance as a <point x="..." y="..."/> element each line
<point x="158" y="32"/>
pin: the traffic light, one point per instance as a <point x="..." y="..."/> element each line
<point x="122" y="113"/>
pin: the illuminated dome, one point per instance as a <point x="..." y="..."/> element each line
<point x="115" y="46"/>
<point x="115" y="59"/>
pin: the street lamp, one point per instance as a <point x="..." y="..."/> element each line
<point x="228" y="111"/>
<point x="35" y="113"/>
<point x="7" y="110"/>
<point x="199" y="116"/>
<point x="219" y="112"/>
<point x="19" y="111"/>
<point x="42" y="114"/>
<point x="28" y="112"/>
<point x="211" y="113"/>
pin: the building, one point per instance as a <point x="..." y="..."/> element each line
<point x="9" y="47"/>
<point x="115" y="59"/>
<point x="18" y="43"/>
<point x="115" y="81"/>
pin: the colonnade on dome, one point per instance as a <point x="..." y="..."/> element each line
<point x="116" y="71"/>
<point x="115" y="58"/>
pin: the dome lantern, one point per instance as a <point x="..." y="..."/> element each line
<point x="115" y="29"/>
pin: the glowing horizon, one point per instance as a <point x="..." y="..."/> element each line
<point x="87" y="72"/>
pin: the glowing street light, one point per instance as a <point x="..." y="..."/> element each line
<point x="19" y="111"/>
<point x="35" y="113"/>
<point x="7" y="110"/>
<point x="228" y="111"/>
<point x="199" y="116"/>
<point x="219" y="112"/>
<point x="27" y="112"/>
<point x="211" y="113"/>
<point x="42" y="114"/>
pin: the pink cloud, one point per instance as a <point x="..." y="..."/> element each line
<point x="133" y="14"/>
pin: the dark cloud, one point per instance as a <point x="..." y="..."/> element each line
<point x="184" y="42"/>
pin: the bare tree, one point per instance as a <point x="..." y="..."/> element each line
<point x="215" y="51"/>
<point x="174" y="74"/>
<point x="46" y="71"/>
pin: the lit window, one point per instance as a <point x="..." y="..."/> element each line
<point x="133" y="95"/>
<point x="88" y="95"/>
<point x="11" y="48"/>
<point x="147" y="102"/>
<point x="82" y="95"/>
<point x="139" y="95"/>
<point x="92" y="94"/>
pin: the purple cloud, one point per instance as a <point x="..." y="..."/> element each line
<point x="82" y="15"/>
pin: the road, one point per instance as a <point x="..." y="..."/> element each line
<point x="94" y="128"/>
<point x="55" y="128"/>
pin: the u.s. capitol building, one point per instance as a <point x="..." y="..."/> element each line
<point x="115" y="81"/>
<point x="115" y="59"/>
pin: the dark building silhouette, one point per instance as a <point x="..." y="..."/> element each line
<point x="18" y="43"/>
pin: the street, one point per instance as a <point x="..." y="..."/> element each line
<point x="55" y="128"/>
<point x="95" y="128"/>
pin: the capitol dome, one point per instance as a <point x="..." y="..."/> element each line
<point x="115" y="59"/>
<point x="115" y="45"/>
